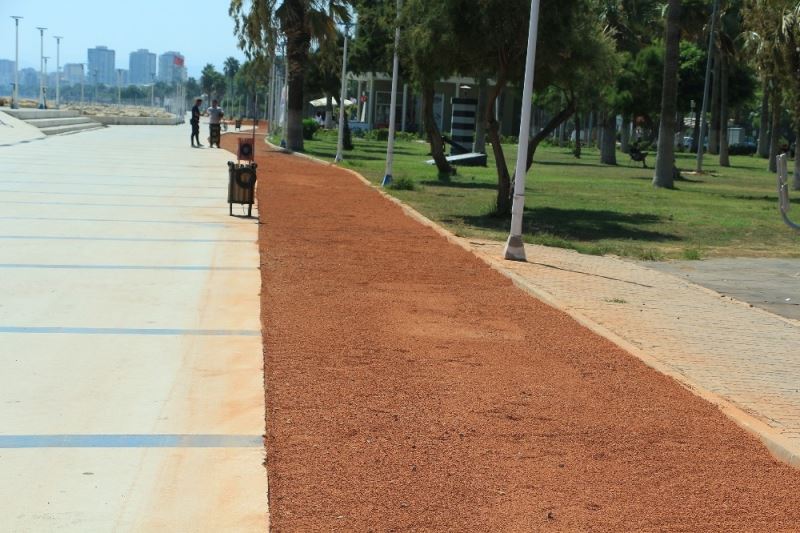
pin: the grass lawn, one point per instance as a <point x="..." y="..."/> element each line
<point x="594" y="208"/>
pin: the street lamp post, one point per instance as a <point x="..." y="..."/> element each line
<point x="95" y="72"/>
<point x="83" y="75"/>
<point x="46" y="82"/>
<point x="152" y="88"/>
<point x="515" y="247"/>
<point x="58" y="69"/>
<point x="342" y="100"/>
<point x="387" y="177"/>
<point x="41" y="68"/>
<point x="15" y="92"/>
<point x="119" y="87"/>
<point x="704" y="109"/>
<point x="285" y="100"/>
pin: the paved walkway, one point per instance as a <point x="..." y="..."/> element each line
<point x="745" y="355"/>
<point x="771" y="284"/>
<point x="131" y="381"/>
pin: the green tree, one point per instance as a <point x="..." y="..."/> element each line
<point x="257" y="24"/>
<point x="212" y="82"/>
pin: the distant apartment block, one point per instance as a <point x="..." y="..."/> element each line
<point x="28" y="77"/>
<point x="73" y="72"/>
<point x="101" y="62"/>
<point x="6" y="72"/>
<point x="171" y="67"/>
<point x="142" y="66"/>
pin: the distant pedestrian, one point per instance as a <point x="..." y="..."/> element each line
<point x="215" y="115"/>
<point x="195" y="122"/>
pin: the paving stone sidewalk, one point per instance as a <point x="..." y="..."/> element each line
<point x="743" y="354"/>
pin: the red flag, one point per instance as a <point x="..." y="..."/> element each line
<point x="178" y="60"/>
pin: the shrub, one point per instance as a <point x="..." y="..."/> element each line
<point x="377" y="135"/>
<point x="310" y="127"/>
<point x="742" y="149"/>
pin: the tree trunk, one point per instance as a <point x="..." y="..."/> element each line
<point x="549" y="128"/>
<point x="713" y="134"/>
<point x="724" y="160"/>
<point x="608" y="149"/>
<point x="432" y="130"/>
<point x="625" y="136"/>
<point x="480" y="125"/>
<point x="763" y="127"/>
<point x="796" y="174"/>
<point x="503" y="205"/>
<point x="328" y="112"/>
<point x="665" y="162"/>
<point x="577" y="152"/>
<point x="297" y="45"/>
<point x="590" y="133"/>
<point x="775" y="131"/>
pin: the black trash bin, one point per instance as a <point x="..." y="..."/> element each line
<point x="241" y="185"/>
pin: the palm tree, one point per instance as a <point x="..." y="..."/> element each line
<point x="258" y="23"/>
<point x="230" y="68"/>
<point x="665" y="163"/>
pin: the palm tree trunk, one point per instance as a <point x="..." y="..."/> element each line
<point x="577" y="152"/>
<point x="763" y="137"/>
<point x="298" y="41"/>
<point x="480" y="126"/>
<point x="608" y="149"/>
<point x="328" y="111"/>
<point x="625" y="134"/>
<point x="432" y="130"/>
<point x="713" y="133"/>
<point x="665" y="162"/>
<point x="775" y="133"/>
<point x="796" y="174"/>
<point x="696" y="133"/>
<point x="724" y="160"/>
<point x="503" y="203"/>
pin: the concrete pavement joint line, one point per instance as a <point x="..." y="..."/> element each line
<point x="781" y="448"/>
<point x="590" y="274"/>
<point x="131" y="220"/>
<point x="190" y="268"/>
<point x="148" y="206"/>
<point x="130" y="331"/>
<point x="131" y="441"/>
<point x="114" y="239"/>
<point x="116" y="194"/>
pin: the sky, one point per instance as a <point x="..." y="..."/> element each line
<point x="201" y="30"/>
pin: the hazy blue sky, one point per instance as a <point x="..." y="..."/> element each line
<point x="201" y="30"/>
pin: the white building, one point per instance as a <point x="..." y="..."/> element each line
<point x="171" y="67"/>
<point x="142" y="67"/>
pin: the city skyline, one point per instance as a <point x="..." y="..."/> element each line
<point x="169" y="27"/>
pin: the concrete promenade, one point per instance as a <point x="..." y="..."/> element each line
<point x="131" y="369"/>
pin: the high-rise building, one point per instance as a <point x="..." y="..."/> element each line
<point x="171" y="67"/>
<point x="142" y="67"/>
<point x="72" y="74"/>
<point x="29" y="77"/>
<point x="6" y="72"/>
<point x="101" y="66"/>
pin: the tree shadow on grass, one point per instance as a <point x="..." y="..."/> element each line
<point x="461" y="184"/>
<point x="575" y="163"/>
<point x="580" y="224"/>
<point x="324" y="154"/>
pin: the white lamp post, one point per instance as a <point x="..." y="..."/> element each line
<point x="704" y="109"/>
<point x="515" y="247"/>
<point x="342" y="100"/>
<point x="15" y="92"/>
<point x="285" y="99"/>
<point x="83" y="75"/>
<point x="387" y="178"/>
<point x="41" y="68"/>
<point x="46" y="81"/>
<point x="58" y="69"/>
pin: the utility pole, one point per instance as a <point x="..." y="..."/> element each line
<point x="58" y="69"/>
<point x="387" y="177"/>
<point x="515" y="247"/>
<point x="152" y="88"/>
<point x="15" y="92"/>
<point x="285" y="124"/>
<point x="342" y="100"/>
<point x="83" y="75"/>
<point x="41" y="68"/>
<point x="704" y="109"/>
<point x="45" y="81"/>
<point x="119" y="87"/>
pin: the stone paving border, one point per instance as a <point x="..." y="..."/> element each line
<point x="784" y="448"/>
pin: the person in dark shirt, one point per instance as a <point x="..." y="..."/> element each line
<point x="195" y="122"/>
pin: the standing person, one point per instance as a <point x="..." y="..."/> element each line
<point x="215" y="115"/>
<point x="195" y="122"/>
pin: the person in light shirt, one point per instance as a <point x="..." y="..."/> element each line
<point x="215" y="115"/>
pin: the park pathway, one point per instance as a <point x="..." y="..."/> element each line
<point x="131" y="378"/>
<point x="412" y="387"/>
